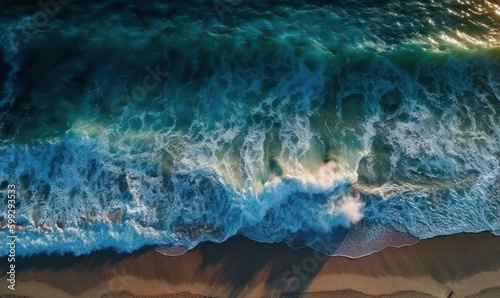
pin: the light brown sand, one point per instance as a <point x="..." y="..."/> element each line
<point x="465" y="264"/>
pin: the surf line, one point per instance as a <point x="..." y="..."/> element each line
<point x="11" y="214"/>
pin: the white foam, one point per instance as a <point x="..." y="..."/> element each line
<point x="349" y="206"/>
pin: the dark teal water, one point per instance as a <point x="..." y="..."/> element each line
<point x="341" y="125"/>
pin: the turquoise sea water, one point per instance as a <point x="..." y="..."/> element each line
<point x="341" y="125"/>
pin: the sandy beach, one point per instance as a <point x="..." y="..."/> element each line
<point x="453" y="266"/>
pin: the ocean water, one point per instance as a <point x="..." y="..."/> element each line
<point x="345" y="126"/>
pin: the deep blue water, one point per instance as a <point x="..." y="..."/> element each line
<point x="341" y="125"/>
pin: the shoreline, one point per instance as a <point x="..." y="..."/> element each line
<point x="464" y="263"/>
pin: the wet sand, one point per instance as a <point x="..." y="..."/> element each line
<point x="452" y="266"/>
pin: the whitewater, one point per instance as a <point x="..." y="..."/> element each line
<point x="344" y="126"/>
